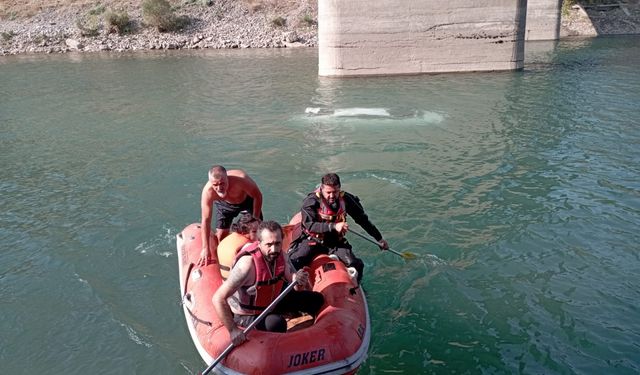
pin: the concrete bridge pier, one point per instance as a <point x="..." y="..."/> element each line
<point x="543" y="20"/>
<point x="384" y="37"/>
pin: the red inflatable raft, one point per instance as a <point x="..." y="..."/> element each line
<point x="336" y="343"/>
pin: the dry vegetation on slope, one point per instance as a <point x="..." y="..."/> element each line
<point x="99" y="25"/>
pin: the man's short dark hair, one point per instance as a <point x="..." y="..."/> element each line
<point x="271" y="226"/>
<point x="331" y="179"/>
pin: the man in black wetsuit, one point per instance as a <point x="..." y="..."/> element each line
<point x="324" y="215"/>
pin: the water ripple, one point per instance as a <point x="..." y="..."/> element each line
<point x="519" y="193"/>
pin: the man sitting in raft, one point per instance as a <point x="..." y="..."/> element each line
<point x="257" y="279"/>
<point x="243" y="233"/>
<point x="324" y="224"/>
<point x="232" y="191"/>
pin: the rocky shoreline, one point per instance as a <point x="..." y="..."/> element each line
<point x="614" y="18"/>
<point x="237" y="24"/>
<point x="225" y="24"/>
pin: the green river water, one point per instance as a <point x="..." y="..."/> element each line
<point x="519" y="191"/>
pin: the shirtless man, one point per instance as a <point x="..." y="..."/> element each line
<point x="230" y="192"/>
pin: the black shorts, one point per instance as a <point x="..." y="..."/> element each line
<point x="296" y="301"/>
<point x="226" y="212"/>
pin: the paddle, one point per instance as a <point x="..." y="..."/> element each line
<point x="250" y="326"/>
<point x="405" y="254"/>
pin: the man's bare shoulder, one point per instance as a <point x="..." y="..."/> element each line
<point x="208" y="194"/>
<point x="240" y="179"/>
<point x="237" y="173"/>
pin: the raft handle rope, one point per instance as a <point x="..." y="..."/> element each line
<point x="193" y="316"/>
<point x="187" y="297"/>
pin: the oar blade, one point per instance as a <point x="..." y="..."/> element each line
<point x="404" y="255"/>
<point x="409" y="256"/>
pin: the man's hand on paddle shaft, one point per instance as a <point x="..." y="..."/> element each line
<point x="341" y="227"/>
<point x="237" y="336"/>
<point x="384" y="245"/>
<point x="301" y="278"/>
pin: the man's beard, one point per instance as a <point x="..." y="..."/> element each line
<point x="272" y="257"/>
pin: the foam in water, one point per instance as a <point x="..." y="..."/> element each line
<point x="390" y="180"/>
<point x="133" y="335"/>
<point x="158" y="242"/>
<point x="348" y="112"/>
<point x="432" y="117"/>
<point x="83" y="281"/>
<point x="312" y="110"/>
<point x="372" y="116"/>
<point x="353" y="112"/>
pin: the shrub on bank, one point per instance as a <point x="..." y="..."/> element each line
<point x="158" y="14"/>
<point x="97" y="10"/>
<point x="89" y="25"/>
<point x="7" y="35"/>
<point x="279" y="21"/>
<point x="98" y="19"/>
<point x="308" y="20"/>
<point x="117" y="21"/>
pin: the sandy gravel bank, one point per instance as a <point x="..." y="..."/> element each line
<point x="224" y="24"/>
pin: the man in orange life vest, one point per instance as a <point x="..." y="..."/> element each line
<point x="230" y="192"/>
<point x="324" y="215"/>
<point x="256" y="279"/>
